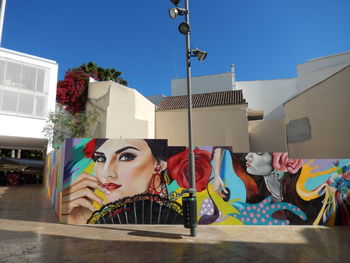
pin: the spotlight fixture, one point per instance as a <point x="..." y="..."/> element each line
<point x="200" y="55"/>
<point x="173" y="13"/>
<point x="176" y="11"/>
<point x="184" y="28"/>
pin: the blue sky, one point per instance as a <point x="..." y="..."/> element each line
<point x="265" y="39"/>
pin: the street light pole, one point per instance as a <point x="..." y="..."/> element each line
<point x="2" y="15"/>
<point x="192" y="175"/>
<point x="189" y="202"/>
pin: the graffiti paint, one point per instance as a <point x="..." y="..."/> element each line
<point x="137" y="181"/>
<point x="53" y="178"/>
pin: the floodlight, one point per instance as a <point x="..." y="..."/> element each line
<point x="176" y="11"/>
<point x="173" y="13"/>
<point x="200" y="55"/>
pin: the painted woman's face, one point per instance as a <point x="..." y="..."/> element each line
<point x="124" y="167"/>
<point x="259" y="163"/>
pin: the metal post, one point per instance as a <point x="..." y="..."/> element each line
<point x="191" y="163"/>
<point x="2" y="14"/>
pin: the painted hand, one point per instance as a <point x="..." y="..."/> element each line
<point x="219" y="186"/>
<point x="77" y="200"/>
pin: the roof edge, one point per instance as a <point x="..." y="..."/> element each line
<point x="28" y="56"/>
<point x="313" y="86"/>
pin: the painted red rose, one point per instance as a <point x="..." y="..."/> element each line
<point x="283" y="163"/>
<point x="178" y="168"/>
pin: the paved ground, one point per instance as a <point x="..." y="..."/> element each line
<point x="29" y="233"/>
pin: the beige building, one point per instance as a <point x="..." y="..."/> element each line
<point x="315" y="124"/>
<point x="218" y="118"/>
<point x="267" y="136"/>
<point x="123" y="112"/>
<point x="318" y="121"/>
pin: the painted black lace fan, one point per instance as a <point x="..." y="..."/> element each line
<point x="139" y="209"/>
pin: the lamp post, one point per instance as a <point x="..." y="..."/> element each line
<point x="190" y="202"/>
<point x="2" y="15"/>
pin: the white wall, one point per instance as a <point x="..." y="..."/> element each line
<point x="29" y="126"/>
<point x="21" y="126"/>
<point x="145" y="111"/>
<point x="316" y="70"/>
<point x="124" y="112"/>
<point x="268" y="95"/>
<point x="204" y="84"/>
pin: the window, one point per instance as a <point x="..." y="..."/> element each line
<point x="28" y="78"/>
<point x="40" y="80"/>
<point x="13" y="75"/>
<point x="2" y="71"/>
<point x="40" y="105"/>
<point x="23" y="88"/>
<point x="9" y="102"/>
<point x="26" y="103"/>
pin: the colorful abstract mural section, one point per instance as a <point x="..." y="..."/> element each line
<point x="141" y="181"/>
<point x="53" y="178"/>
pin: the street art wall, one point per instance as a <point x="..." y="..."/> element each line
<point x="52" y="178"/>
<point x="136" y="181"/>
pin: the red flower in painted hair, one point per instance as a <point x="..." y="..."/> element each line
<point x="282" y="162"/>
<point x="90" y="149"/>
<point x="178" y="168"/>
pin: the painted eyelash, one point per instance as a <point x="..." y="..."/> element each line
<point x="95" y="158"/>
<point x="130" y="156"/>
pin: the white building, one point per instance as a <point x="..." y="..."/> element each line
<point x="267" y="95"/>
<point x="264" y="96"/>
<point x="316" y="70"/>
<point x="27" y="93"/>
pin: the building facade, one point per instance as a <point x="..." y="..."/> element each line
<point x="27" y="93"/>
<point x="123" y="112"/>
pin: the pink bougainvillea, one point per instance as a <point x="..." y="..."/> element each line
<point x="72" y="91"/>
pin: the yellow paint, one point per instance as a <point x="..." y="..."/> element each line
<point x="49" y="191"/>
<point x="329" y="202"/>
<point x="331" y="221"/>
<point x="224" y="207"/>
<point x="179" y="200"/>
<point x="102" y="196"/>
<point x="230" y="220"/>
<point x="306" y="174"/>
<point x="90" y="169"/>
<point x="325" y="202"/>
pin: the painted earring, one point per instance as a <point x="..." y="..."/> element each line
<point x="152" y="187"/>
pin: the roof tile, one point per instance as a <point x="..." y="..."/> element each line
<point x="202" y="100"/>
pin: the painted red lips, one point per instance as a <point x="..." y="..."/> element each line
<point x="111" y="186"/>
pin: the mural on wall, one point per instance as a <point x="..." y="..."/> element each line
<point x="128" y="181"/>
<point x="53" y="178"/>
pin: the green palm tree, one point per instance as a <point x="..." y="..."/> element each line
<point x="103" y="74"/>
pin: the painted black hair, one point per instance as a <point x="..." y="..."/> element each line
<point x="159" y="148"/>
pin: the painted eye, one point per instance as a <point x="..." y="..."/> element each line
<point x="99" y="158"/>
<point x="127" y="157"/>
